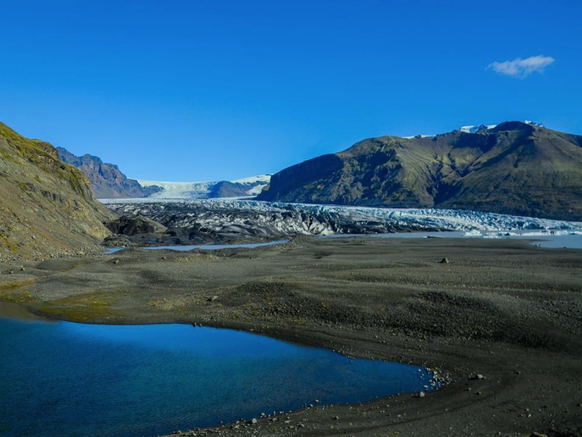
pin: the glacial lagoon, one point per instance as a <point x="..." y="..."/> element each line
<point x="70" y="379"/>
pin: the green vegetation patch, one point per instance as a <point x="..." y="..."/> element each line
<point x="82" y="307"/>
<point x="16" y="291"/>
<point x="8" y="244"/>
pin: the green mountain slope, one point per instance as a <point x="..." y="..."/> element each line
<point x="514" y="168"/>
<point x="46" y="207"/>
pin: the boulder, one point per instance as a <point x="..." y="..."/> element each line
<point x="131" y="226"/>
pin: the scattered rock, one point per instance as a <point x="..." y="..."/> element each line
<point x="477" y="376"/>
<point x="444" y="261"/>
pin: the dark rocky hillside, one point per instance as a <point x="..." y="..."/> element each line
<point x="47" y="207"/>
<point x="514" y="168"/>
<point x="228" y="189"/>
<point x="107" y="180"/>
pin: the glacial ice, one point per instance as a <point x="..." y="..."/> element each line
<point x="326" y="215"/>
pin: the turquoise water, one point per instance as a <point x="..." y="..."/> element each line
<point x="559" y="241"/>
<point x="186" y="248"/>
<point x="68" y="379"/>
<point x="217" y="246"/>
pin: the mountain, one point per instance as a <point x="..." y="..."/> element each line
<point x="107" y="180"/>
<point x="512" y="168"/>
<point x="47" y="207"/>
<point x="247" y="187"/>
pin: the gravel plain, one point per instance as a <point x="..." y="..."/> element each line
<point x="505" y="310"/>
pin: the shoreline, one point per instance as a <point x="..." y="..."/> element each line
<point x="554" y="363"/>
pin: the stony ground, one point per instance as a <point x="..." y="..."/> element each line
<point x="503" y="309"/>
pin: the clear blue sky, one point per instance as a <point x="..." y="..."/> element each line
<point x="208" y="90"/>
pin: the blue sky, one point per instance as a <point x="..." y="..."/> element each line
<point x="208" y="90"/>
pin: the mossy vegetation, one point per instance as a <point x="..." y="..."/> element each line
<point x="6" y="242"/>
<point x="82" y="307"/>
<point x="16" y="291"/>
<point x="44" y="199"/>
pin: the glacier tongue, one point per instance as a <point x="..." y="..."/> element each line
<point x="250" y="218"/>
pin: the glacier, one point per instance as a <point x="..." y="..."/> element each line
<point x="225" y="219"/>
<point x="202" y="190"/>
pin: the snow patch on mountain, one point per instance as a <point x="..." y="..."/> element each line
<point x="472" y="129"/>
<point x="409" y="137"/>
<point x="254" y="179"/>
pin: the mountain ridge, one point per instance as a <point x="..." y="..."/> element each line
<point x="108" y="182"/>
<point x="47" y="207"/>
<point x="513" y="168"/>
<point x="106" y="179"/>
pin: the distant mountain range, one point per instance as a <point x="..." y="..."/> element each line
<point x="47" y="207"/>
<point x="109" y="182"/>
<point x="512" y="168"/>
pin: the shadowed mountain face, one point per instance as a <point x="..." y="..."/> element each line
<point x="513" y="168"/>
<point x="106" y="179"/>
<point x="46" y="207"/>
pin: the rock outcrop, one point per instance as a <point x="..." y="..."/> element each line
<point x="107" y="181"/>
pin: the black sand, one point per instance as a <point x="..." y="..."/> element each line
<point x="504" y="309"/>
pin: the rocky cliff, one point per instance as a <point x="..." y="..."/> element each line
<point x="107" y="180"/>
